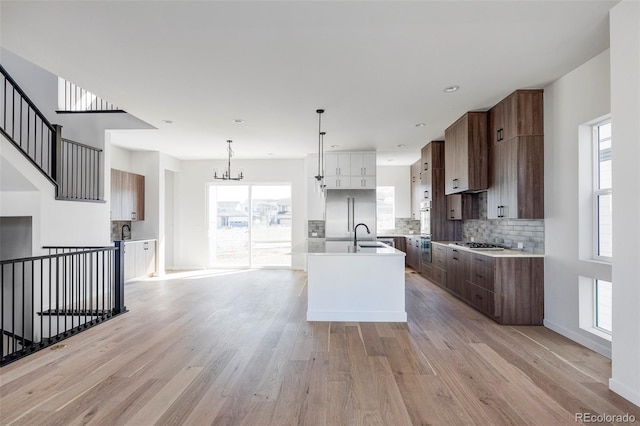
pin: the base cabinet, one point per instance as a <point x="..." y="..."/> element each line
<point x="413" y="253"/>
<point x="510" y="290"/>
<point x="139" y="259"/>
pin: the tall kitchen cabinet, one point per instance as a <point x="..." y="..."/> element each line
<point x="466" y="154"/>
<point x="127" y="196"/>
<point x="416" y="189"/>
<point x="432" y="175"/>
<point x="516" y="157"/>
<point x="433" y="178"/>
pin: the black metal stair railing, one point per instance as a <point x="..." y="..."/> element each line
<point x="23" y="124"/>
<point x="79" y="168"/>
<point x="45" y="299"/>
<point x="74" y="168"/>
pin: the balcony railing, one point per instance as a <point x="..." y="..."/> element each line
<point x="46" y="299"/>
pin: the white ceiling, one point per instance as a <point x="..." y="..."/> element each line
<point x="377" y="68"/>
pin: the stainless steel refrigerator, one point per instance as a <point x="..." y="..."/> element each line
<point x="345" y="209"/>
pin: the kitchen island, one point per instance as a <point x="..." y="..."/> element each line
<point x="349" y="283"/>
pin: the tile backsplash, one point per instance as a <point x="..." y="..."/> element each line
<point x="404" y="226"/>
<point x="316" y="227"/>
<point x="505" y="232"/>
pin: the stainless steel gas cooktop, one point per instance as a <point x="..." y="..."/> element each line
<point x="479" y="246"/>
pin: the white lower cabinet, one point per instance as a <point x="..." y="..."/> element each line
<point x="139" y="259"/>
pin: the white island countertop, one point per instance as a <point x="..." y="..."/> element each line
<point x="344" y="247"/>
<point x="349" y="283"/>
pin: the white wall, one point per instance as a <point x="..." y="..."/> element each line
<point x="153" y="166"/>
<point x="400" y="177"/>
<point x="576" y="98"/>
<point x="191" y="221"/>
<point x="625" y="113"/>
<point x="55" y="222"/>
<point x="60" y="222"/>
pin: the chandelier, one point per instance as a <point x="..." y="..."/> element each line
<point x="320" y="176"/>
<point x="227" y="174"/>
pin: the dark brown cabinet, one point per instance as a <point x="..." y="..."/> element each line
<point x="416" y="189"/>
<point x="516" y="157"/>
<point x="462" y="207"/>
<point x="517" y="179"/>
<point x="466" y="154"/>
<point x="413" y="253"/>
<point x="519" y="114"/>
<point x="433" y="193"/>
<point x="508" y="289"/>
<point x="127" y="196"/>
<point x="457" y="267"/>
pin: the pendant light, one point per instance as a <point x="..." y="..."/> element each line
<point x="320" y="176"/>
<point x="227" y="174"/>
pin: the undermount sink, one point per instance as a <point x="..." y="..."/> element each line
<point x="371" y="244"/>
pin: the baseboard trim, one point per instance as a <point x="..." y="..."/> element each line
<point x="633" y="395"/>
<point x="604" y="350"/>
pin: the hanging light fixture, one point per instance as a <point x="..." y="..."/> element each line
<point x="227" y="174"/>
<point x="320" y="176"/>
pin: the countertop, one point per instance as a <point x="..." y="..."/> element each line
<point x="343" y="247"/>
<point x="491" y="253"/>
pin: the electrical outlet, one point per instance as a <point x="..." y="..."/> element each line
<point x="520" y="245"/>
<point x="314" y="234"/>
<point x="410" y="232"/>
<point x="473" y="240"/>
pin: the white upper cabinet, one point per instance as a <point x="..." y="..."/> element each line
<point x="350" y="170"/>
<point x="363" y="164"/>
<point x="337" y="164"/>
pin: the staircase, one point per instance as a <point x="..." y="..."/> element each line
<point x="72" y="167"/>
<point x="45" y="299"/>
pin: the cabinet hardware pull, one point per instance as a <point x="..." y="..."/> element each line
<point x="478" y="275"/>
<point x="454" y="258"/>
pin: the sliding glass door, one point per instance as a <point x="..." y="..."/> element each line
<point x="249" y="225"/>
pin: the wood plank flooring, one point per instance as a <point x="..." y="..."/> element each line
<point x="234" y="348"/>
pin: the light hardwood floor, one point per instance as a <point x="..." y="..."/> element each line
<point x="234" y="348"/>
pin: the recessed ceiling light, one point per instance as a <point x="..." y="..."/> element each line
<point x="269" y="153"/>
<point x="401" y="145"/>
<point x="238" y="120"/>
<point x="335" y="146"/>
<point x="421" y="124"/>
<point x="451" y="89"/>
<point x="167" y="121"/>
<point x="390" y="159"/>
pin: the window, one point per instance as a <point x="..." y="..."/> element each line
<point x="249" y="225"/>
<point x="602" y="305"/>
<point x="602" y="191"/>
<point x="595" y="306"/>
<point x="385" y="201"/>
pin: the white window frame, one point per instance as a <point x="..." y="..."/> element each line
<point x="596" y="313"/>
<point x="597" y="192"/>
<point x="587" y="312"/>
<point x="393" y="207"/>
